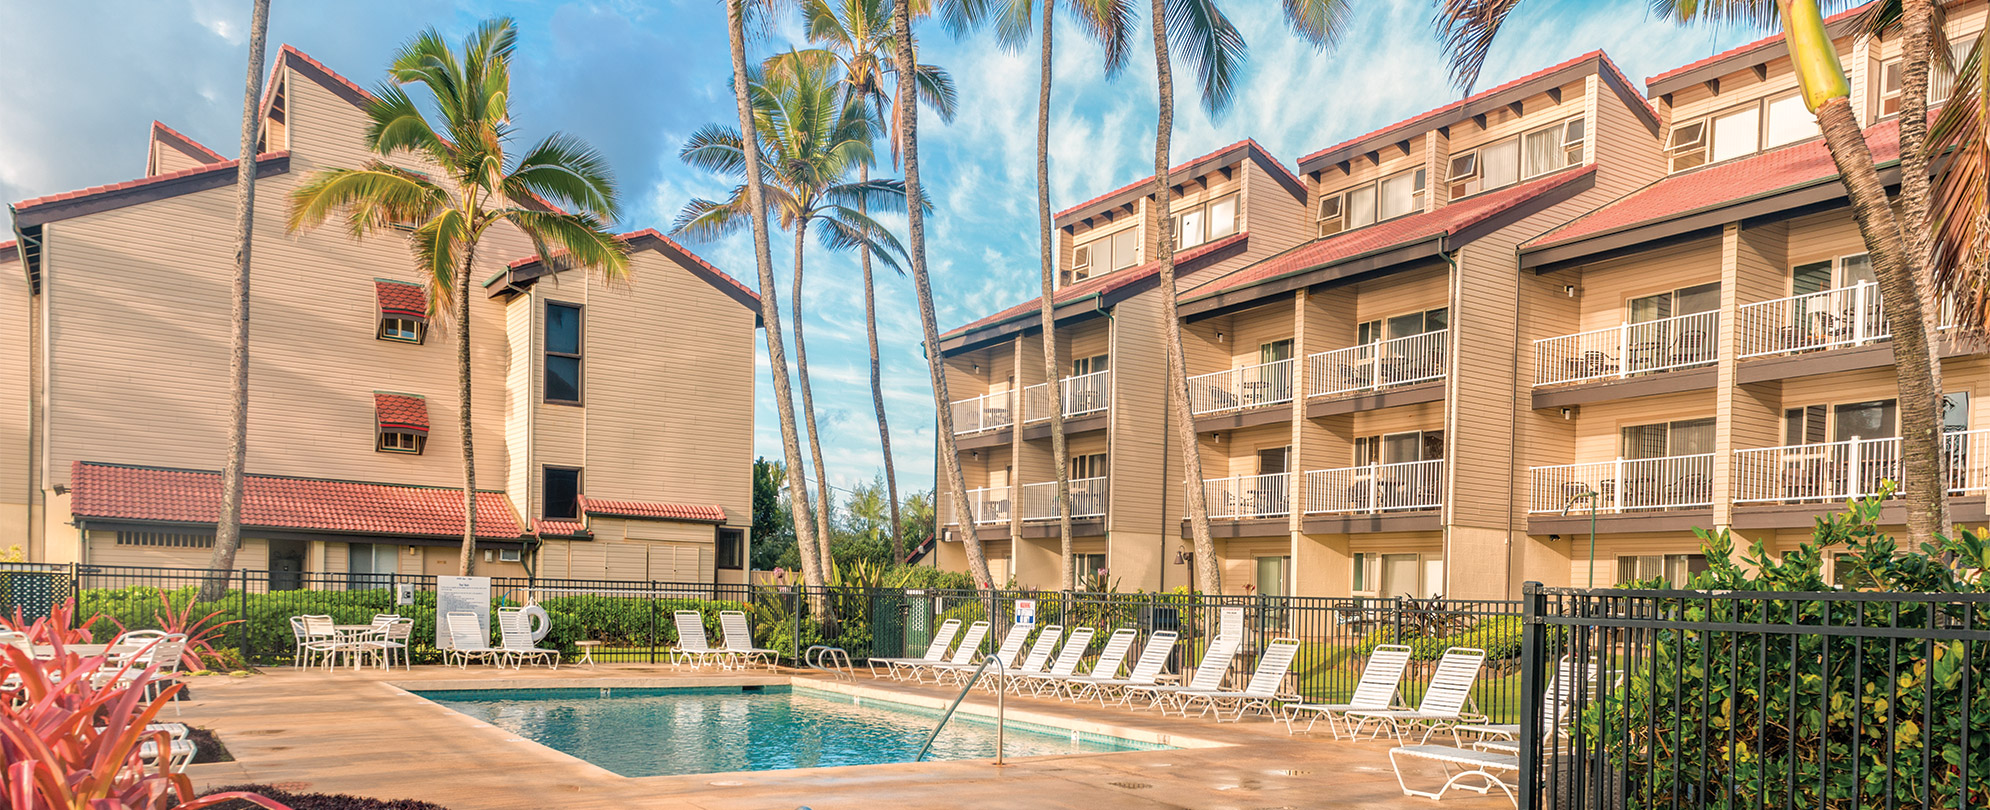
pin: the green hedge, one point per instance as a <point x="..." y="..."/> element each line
<point x="1499" y="636"/>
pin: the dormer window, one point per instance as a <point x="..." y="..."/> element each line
<point x="1115" y="251"/>
<point x="1510" y="160"/>
<point x="1740" y="131"/>
<point x="1332" y="216"/>
<point x="1206" y="221"/>
<point x="400" y="422"/>
<point x="403" y="310"/>
<point x="1397" y="195"/>
<point x="406" y="330"/>
<point x="1688" y="146"/>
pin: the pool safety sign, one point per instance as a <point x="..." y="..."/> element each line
<point x="1026" y="612"/>
<point x="461" y="595"/>
<point x="1232" y="622"/>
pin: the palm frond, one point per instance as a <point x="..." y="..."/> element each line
<point x="395" y="124"/>
<point x="845" y="229"/>
<point x="377" y="196"/>
<point x="1959" y="263"/>
<point x="1205" y="40"/>
<point x="1320" y="22"/>
<point x="1757" y="14"/>
<point x="565" y="169"/>
<point x="715" y="148"/>
<point x="437" y="245"/>
<point x="705" y="220"/>
<point x="572" y="241"/>
<point x="1015" y="22"/>
<point x="1882" y="19"/>
<point x="876" y="194"/>
<point x="957" y="17"/>
<point x="1109" y="23"/>
<point x="1467" y="29"/>
<point x="936" y="91"/>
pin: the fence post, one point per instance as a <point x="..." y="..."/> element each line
<point x="653" y="609"/>
<point x="1533" y="643"/>
<point x="801" y="598"/>
<point x="1396" y="610"/>
<point x="242" y="613"/>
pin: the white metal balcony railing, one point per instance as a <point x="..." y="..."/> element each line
<point x="1247" y="387"/>
<point x="990" y="505"/>
<point x="1624" y="485"/>
<point x="1400" y="361"/>
<point x="1628" y="348"/>
<point x="1247" y="496"/>
<point x="1854" y="468"/>
<point x="1376" y="488"/>
<point x="985" y="412"/>
<point x="1082" y="394"/>
<point x="1088" y="499"/>
<point x="1847" y="316"/>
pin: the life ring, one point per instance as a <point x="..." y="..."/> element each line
<point x="539" y="620"/>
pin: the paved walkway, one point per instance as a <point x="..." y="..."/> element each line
<point x="356" y="733"/>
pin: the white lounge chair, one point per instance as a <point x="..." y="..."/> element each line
<point x="468" y="641"/>
<point x="1209" y="674"/>
<point x="692" y="645"/>
<point x="1380" y="684"/>
<point x="964" y="652"/>
<point x="1065" y="666"/>
<point x="1009" y="654"/>
<point x="1273" y="665"/>
<point x="1034" y="663"/>
<point x="1146" y="671"/>
<point x="515" y="638"/>
<point x="739" y="640"/>
<point x="1443" y="703"/>
<point x="936" y="651"/>
<point x="1459" y="764"/>
<point x="1111" y="659"/>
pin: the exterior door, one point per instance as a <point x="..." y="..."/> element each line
<point x="1402" y="575"/>
<point x="1271" y="579"/>
<point x="286" y="565"/>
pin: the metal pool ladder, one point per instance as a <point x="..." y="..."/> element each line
<point x="1001" y="688"/>
<point x="833" y="660"/>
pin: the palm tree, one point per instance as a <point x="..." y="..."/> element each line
<point x="468" y="185"/>
<point x="1108" y="22"/>
<point x="1208" y="43"/>
<point x="813" y="136"/>
<point x="858" y="32"/>
<point x="1469" y="28"/>
<point x="813" y="574"/>
<point x="228" y="525"/>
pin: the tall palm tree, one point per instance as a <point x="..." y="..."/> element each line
<point x="737" y="12"/>
<point x="1109" y="22"/>
<point x="1208" y="43"/>
<point x="858" y="32"/>
<point x="228" y="525"/>
<point x="468" y="184"/>
<point x="813" y="136"/>
<point x="1469" y="28"/>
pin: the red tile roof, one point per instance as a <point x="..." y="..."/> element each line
<point x="139" y="183"/>
<point x="1183" y="166"/>
<point x="1742" y="49"/>
<point x="1425" y="116"/>
<point x="155" y="494"/>
<point x="400" y="411"/>
<point x="210" y="155"/>
<point x="1445" y="221"/>
<point x="560" y="528"/>
<point x="1721" y="184"/>
<point x="401" y="299"/>
<point x="709" y="513"/>
<point x="1100" y="285"/>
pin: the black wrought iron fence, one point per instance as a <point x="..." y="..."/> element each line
<point x="1692" y="699"/>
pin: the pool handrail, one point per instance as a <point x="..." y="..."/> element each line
<point x="1001" y="712"/>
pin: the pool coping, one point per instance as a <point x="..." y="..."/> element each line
<point x="1029" y="716"/>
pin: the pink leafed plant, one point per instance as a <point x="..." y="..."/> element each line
<point x="201" y="633"/>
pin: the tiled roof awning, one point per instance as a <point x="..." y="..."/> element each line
<point x="400" y="412"/>
<point x="645" y="510"/>
<point x="560" y="528"/>
<point x="401" y="299"/>
<point x="118" y="493"/>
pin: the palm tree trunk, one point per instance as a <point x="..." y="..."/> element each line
<point x="467" y="563"/>
<point x="907" y="112"/>
<point x="1060" y="454"/>
<point x="877" y="382"/>
<point x="1207" y="572"/>
<point x="822" y="494"/>
<point x="228" y="525"/>
<point x="1921" y="36"/>
<point x="770" y="307"/>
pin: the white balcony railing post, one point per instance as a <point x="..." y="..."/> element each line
<point x="1859" y="321"/>
<point x="1617" y="491"/>
<point x="1623" y="350"/>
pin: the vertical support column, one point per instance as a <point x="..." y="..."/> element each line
<point x="1295" y="498"/>
<point x="1437" y="169"/>
<point x="1016" y="446"/>
<point x="1753" y="268"/>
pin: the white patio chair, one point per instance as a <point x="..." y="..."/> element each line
<point x="739" y="640"/>
<point x="1038" y="658"/>
<point x="1009" y="653"/>
<point x="468" y="641"/>
<point x="308" y="646"/>
<point x="515" y="640"/>
<point x="1258" y="693"/>
<point x="1459" y="764"/>
<point x="964" y="652"/>
<point x="1146" y="671"/>
<point x="691" y="643"/>
<point x="392" y="637"/>
<point x="1443" y="703"/>
<point x="1380" y="684"/>
<point x="936" y="651"/>
<point x="1111" y="659"/>
<point x="1209" y="674"/>
<point x="1065" y="666"/>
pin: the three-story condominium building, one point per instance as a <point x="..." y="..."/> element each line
<point x="1557" y="295"/>
<point x="612" y="423"/>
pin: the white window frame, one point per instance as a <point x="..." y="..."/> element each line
<point x="1699" y="152"/>
<point x="1207" y="222"/>
<point x="406" y="442"/>
<point x="1342" y="203"/>
<point x="401" y="330"/>
<point x="1370" y="563"/>
<point x="1574" y="147"/>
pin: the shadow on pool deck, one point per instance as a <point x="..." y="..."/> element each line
<point x="358" y="733"/>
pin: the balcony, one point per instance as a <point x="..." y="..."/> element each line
<point x="1400" y="361"/>
<point x="1837" y="471"/>
<point x="989" y="505"/>
<point x="1246" y="496"/>
<point x="984" y="413"/>
<point x="1088" y="499"/>
<point x="1251" y="386"/>
<point x="1082" y="395"/>
<point x="1628" y="349"/>
<point x="1376" y="488"/>
<point x="1625" y="485"/>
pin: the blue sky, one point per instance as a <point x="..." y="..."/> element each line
<point x="81" y="82"/>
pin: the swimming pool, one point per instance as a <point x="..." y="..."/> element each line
<point x="670" y="731"/>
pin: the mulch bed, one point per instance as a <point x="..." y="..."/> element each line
<point x="316" y="801"/>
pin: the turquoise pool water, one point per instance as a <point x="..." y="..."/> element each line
<point x="659" y="732"/>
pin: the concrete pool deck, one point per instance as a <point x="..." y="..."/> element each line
<point x="361" y="733"/>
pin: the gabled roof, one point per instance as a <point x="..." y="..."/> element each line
<point x="94" y="199"/>
<point x="1759" y="52"/>
<point x="162" y="134"/>
<point x="1479" y="103"/>
<point x="1100" y="286"/>
<point x="290" y="56"/>
<point x="522" y="273"/>
<point x="1796" y="175"/>
<point x="128" y="493"/>
<point x="647" y="510"/>
<point x="1444" y="229"/>
<point x="1184" y="171"/>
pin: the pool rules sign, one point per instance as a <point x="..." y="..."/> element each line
<point x="1026" y="612"/>
<point x="461" y="595"/>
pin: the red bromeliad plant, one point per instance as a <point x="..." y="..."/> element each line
<point x="200" y="634"/>
<point x="59" y="626"/>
